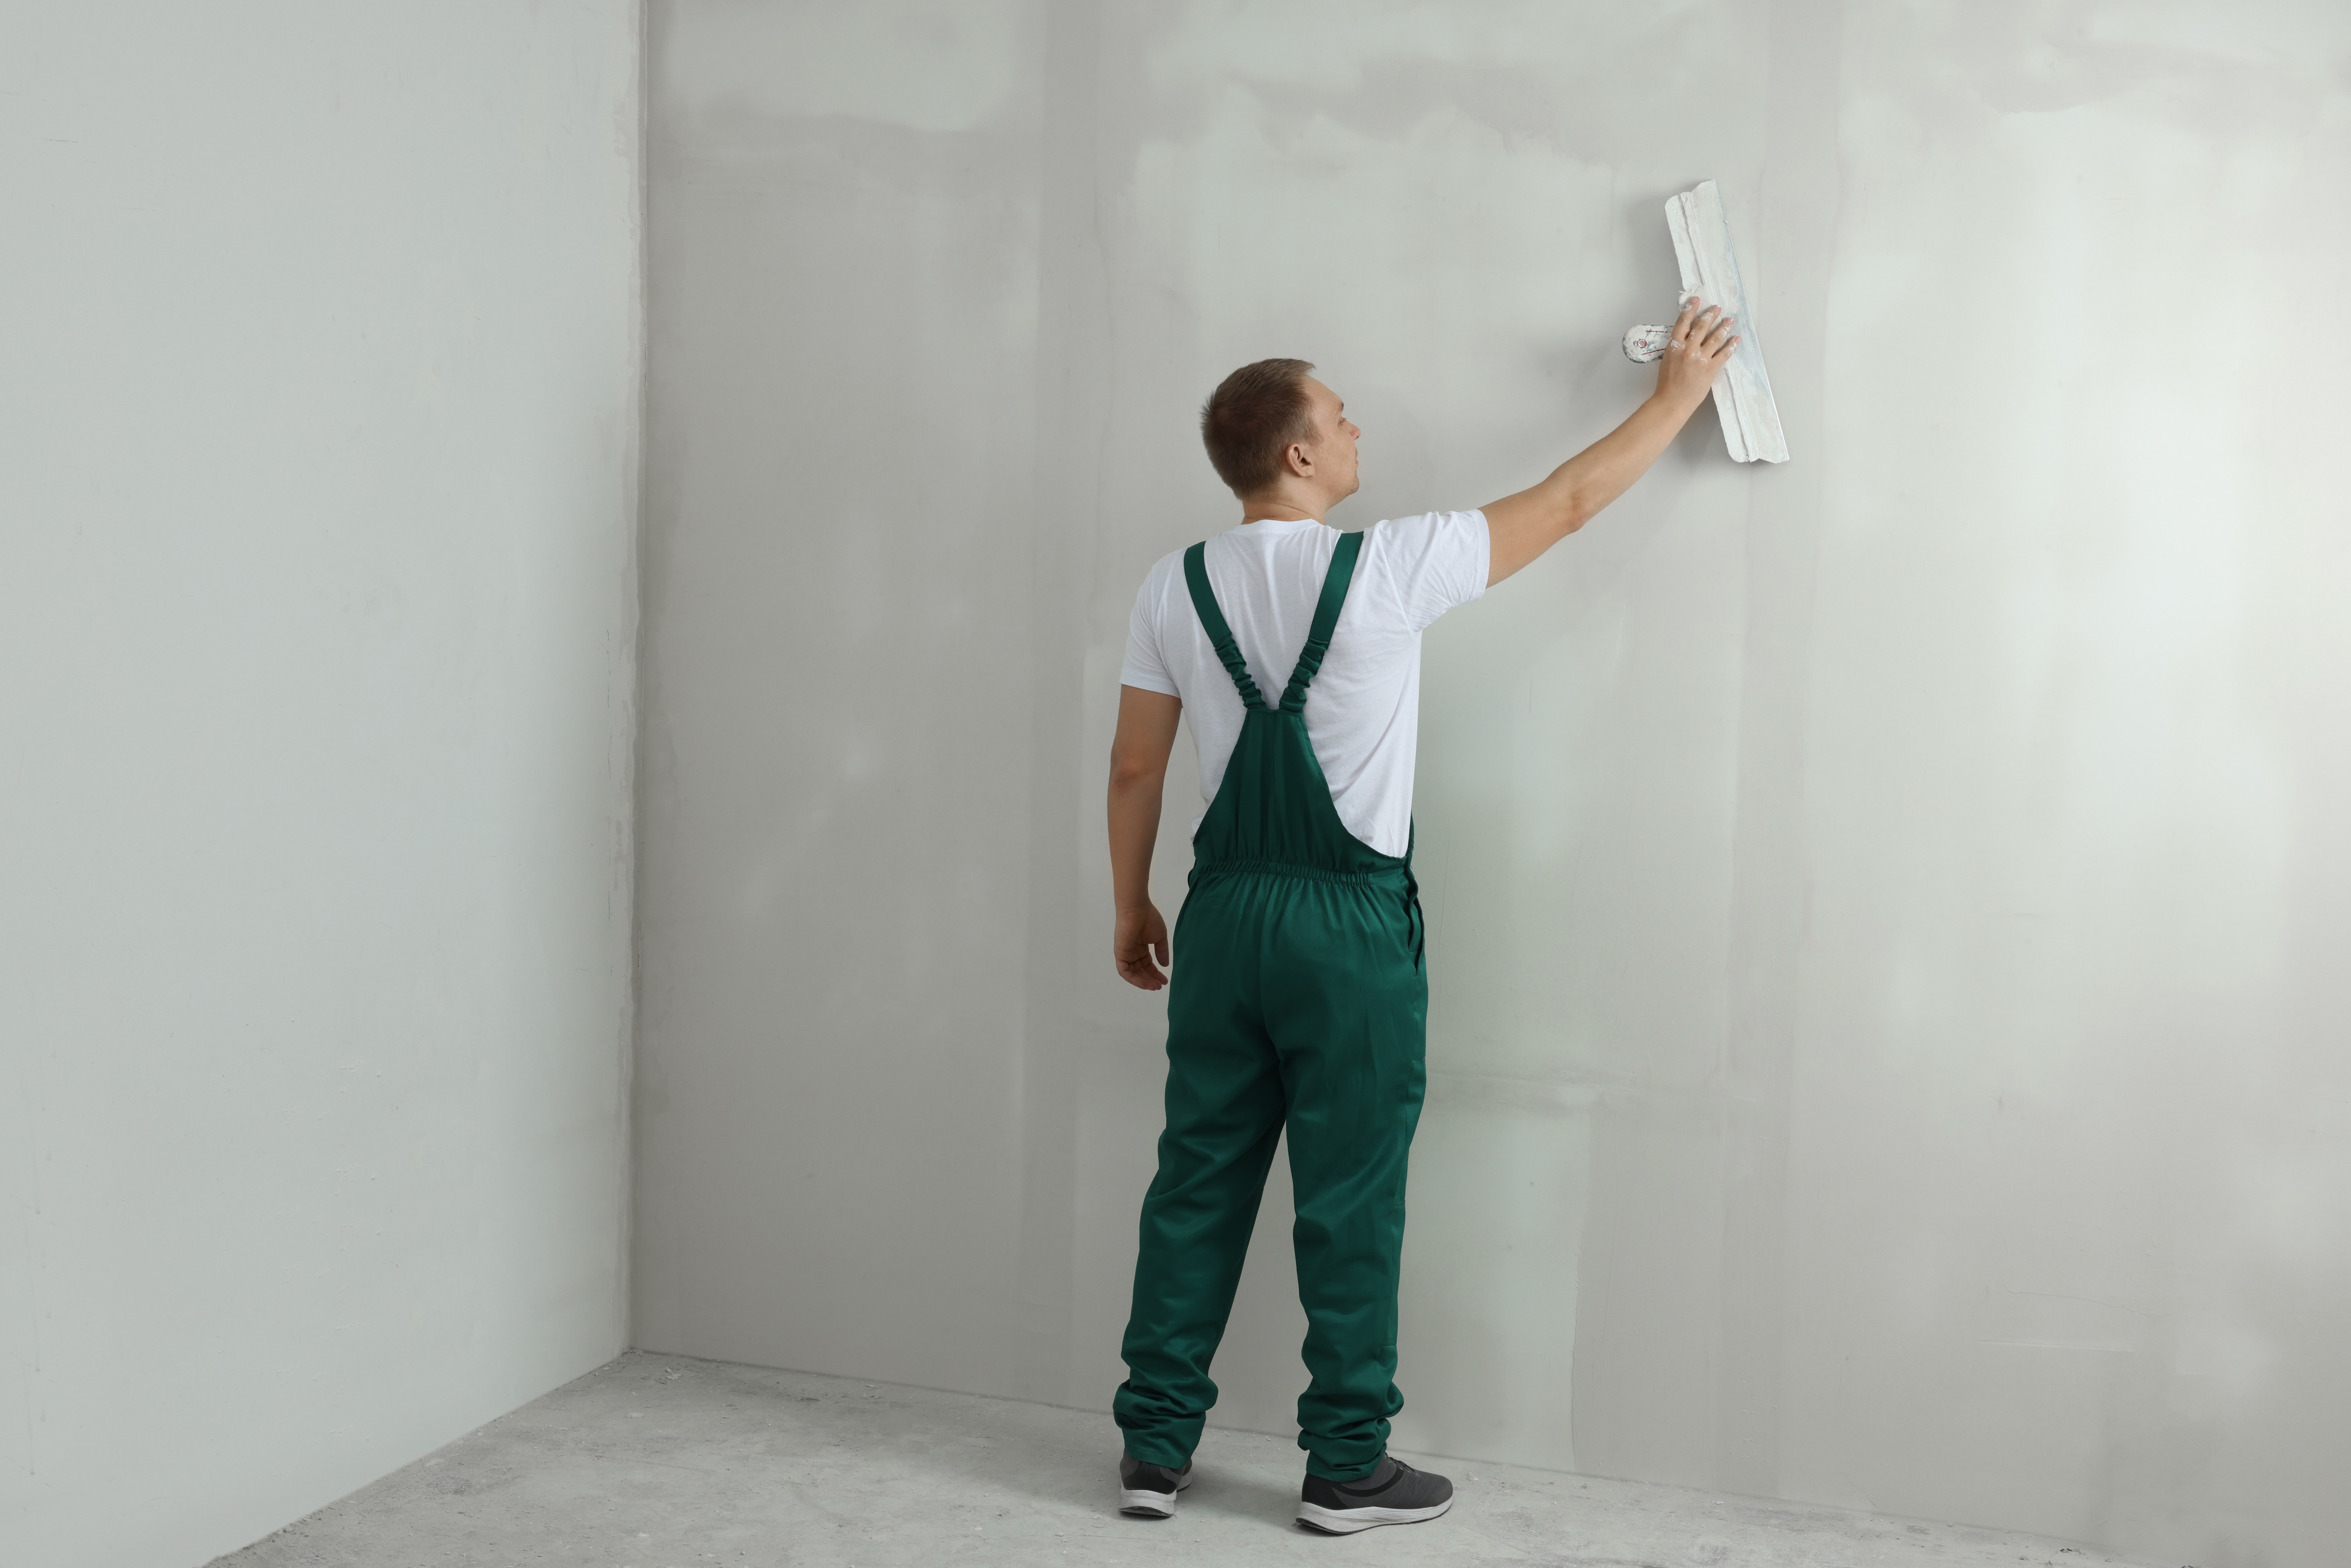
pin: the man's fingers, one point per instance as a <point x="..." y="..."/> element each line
<point x="1140" y="951"/>
<point x="1722" y="353"/>
<point x="1690" y="307"/>
<point x="1142" y="964"/>
<point x="1719" y="335"/>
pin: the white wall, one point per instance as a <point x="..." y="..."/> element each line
<point x="1883" y="1047"/>
<point x="318" y="414"/>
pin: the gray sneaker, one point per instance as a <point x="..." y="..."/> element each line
<point x="1148" y="1492"/>
<point x="1394" y="1493"/>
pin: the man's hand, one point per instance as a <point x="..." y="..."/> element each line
<point x="1141" y="947"/>
<point x="1701" y="347"/>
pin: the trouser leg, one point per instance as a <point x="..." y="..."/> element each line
<point x="1224" y="1117"/>
<point x="1346" y="1005"/>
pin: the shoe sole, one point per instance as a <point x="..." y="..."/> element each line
<point x="1347" y="1520"/>
<point x="1151" y="1504"/>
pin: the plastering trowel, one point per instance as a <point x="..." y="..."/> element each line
<point x="1742" y="392"/>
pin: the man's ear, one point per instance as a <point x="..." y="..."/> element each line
<point x="1294" y="454"/>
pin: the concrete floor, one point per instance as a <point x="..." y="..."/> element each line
<point x="658" y="1461"/>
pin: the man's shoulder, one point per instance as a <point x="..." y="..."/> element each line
<point x="1429" y="562"/>
<point x="1160" y="585"/>
<point x="1168" y="568"/>
<point x="1425" y="541"/>
<point x="1421" y="524"/>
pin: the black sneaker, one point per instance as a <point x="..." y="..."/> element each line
<point x="1148" y="1492"/>
<point x="1394" y="1493"/>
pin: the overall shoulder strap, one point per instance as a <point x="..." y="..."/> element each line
<point x="1212" y="621"/>
<point x="1326" y="620"/>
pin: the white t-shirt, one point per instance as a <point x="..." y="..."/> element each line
<point x="1363" y="712"/>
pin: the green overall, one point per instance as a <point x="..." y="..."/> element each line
<point x="1297" y="997"/>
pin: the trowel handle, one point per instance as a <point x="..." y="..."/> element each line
<point x="1648" y="345"/>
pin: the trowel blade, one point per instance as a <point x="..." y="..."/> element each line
<point x="1742" y="392"/>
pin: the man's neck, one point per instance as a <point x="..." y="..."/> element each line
<point x="1276" y="512"/>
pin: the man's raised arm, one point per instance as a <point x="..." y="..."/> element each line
<point x="1523" y="526"/>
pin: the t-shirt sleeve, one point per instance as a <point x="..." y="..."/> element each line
<point x="1144" y="667"/>
<point x="1439" y="559"/>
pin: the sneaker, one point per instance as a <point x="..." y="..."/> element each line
<point x="1148" y="1492"/>
<point x="1394" y="1493"/>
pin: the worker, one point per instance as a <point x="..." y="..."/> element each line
<point x="1297" y="986"/>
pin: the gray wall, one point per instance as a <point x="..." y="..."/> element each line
<point x="318" y="419"/>
<point x="1885" y="910"/>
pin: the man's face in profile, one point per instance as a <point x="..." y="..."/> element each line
<point x="1333" y="448"/>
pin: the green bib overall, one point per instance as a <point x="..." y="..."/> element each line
<point x="1297" y="997"/>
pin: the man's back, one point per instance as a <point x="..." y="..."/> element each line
<point x="1364" y="719"/>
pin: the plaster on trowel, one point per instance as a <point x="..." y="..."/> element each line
<point x="1742" y="392"/>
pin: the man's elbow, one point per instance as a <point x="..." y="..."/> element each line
<point x="1573" y="513"/>
<point x="1135" y="772"/>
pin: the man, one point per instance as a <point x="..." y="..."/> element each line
<point x="1299" y="994"/>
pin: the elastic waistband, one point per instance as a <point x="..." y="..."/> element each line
<point x="1397" y="876"/>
